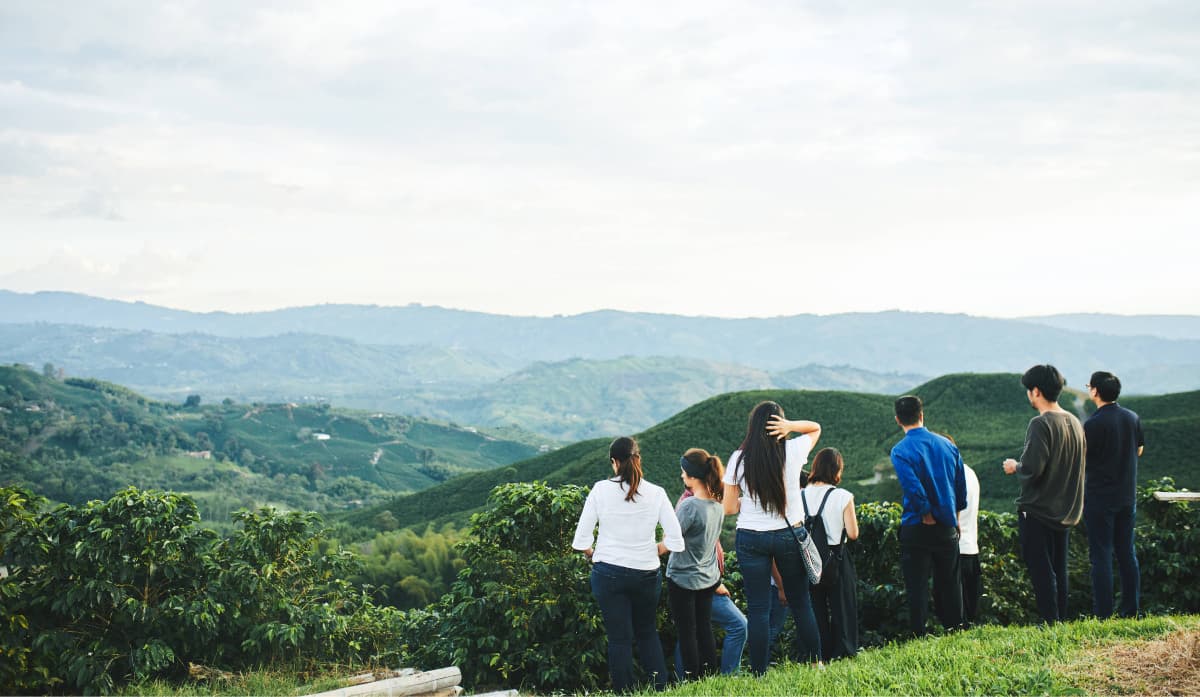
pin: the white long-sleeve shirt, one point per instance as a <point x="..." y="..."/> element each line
<point x="627" y="528"/>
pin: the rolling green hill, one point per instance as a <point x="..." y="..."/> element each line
<point x="986" y="414"/>
<point x="82" y="439"/>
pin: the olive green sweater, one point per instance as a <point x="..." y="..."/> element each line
<point x="1051" y="469"/>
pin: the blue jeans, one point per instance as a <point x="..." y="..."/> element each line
<point x="755" y="552"/>
<point x="776" y="617"/>
<point x="1109" y="532"/>
<point x="628" y="600"/>
<point x="725" y="615"/>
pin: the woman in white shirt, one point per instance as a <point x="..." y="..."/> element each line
<point x="835" y="598"/>
<point x="762" y="486"/>
<point x="626" y="575"/>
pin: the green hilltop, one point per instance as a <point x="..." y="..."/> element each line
<point x="78" y="439"/>
<point x="986" y="414"/>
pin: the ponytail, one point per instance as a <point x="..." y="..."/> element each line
<point x="707" y="468"/>
<point x="629" y="463"/>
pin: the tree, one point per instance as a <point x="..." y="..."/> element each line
<point x="192" y="401"/>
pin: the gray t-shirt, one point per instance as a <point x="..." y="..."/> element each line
<point x="1051" y="471"/>
<point x="695" y="568"/>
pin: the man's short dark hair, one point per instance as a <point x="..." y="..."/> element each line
<point x="1047" y="379"/>
<point x="909" y="410"/>
<point x="1107" y="385"/>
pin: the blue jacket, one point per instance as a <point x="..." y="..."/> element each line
<point x="930" y="470"/>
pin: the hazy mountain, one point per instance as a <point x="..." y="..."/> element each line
<point x="900" y="342"/>
<point x="289" y="367"/>
<point x="1162" y="326"/>
<point x="565" y="400"/>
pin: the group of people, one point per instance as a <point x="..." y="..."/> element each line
<point x="777" y="503"/>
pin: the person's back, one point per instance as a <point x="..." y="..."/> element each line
<point x="930" y="471"/>
<point x="1052" y="469"/>
<point x="1114" y="442"/>
<point x="1051" y="478"/>
<point x="1114" y="437"/>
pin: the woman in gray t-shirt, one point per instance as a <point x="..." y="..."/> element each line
<point x="693" y="574"/>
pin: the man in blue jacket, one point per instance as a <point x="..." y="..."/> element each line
<point x="931" y="473"/>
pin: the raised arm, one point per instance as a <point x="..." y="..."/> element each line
<point x="780" y="428"/>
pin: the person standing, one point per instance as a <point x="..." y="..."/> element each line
<point x="626" y="573"/>
<point x="835" y="598"/>
<point x="1051" y="477"/>
<point x="930" y="471"/>
<point x="694" y="574"/>
<point x="1114" y="443"/>
<point x="725" y="614"/>
<point x="762" y="486"/>
<point x="968" y="549"/>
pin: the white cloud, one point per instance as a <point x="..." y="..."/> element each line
<point x="438" y="151"/>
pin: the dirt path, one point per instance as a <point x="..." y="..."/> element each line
<point x="1168" y="666"/>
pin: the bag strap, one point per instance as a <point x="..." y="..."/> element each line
<point x="823" y="500"/>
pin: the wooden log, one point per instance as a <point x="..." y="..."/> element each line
<point x="418" y="683"/>
<point x="1177" y="496"/>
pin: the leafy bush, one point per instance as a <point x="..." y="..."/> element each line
<point x="521" y="611"/>
<point x="132" y="588"/>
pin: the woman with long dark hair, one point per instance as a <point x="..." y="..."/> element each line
<point x="626" y="573"/>
<point x="762" y="486"/>
<point x="694" y="574"/>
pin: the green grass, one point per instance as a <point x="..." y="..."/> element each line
<point x="986" y="660"/>
<point x="272" y="681"/>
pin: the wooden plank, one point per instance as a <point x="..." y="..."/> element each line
<point x="1177" y="495"/>
<point x="418" y="683"/>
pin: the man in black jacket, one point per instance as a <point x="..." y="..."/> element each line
<point x="1114" y="443"/>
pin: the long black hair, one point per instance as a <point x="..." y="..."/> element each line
<point x="629" y="463"/>
<point x="762" y="459"/>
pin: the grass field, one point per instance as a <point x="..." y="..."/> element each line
<point x="1155" y="655"/>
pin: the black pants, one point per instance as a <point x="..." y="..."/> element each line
<point x="836" y="608"/>
<point x="969" y="564"/>
<point x="1044" y="548"/>
<point x="925" y="549"/>
<point x="692" y="612"/>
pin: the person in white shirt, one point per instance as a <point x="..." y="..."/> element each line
<point x="835" y="598"/>
<point x="626" y="571"/>
<point x="762" y="486"/>
<point x="968" y="549"/>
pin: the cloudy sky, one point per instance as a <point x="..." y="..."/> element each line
<point x="705" y="158"/>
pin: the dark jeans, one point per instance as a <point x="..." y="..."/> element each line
<point x="969" y="564"/>
<point x="628" y="599"/>
<point x="1044" y="548"/>
<point x="925" y="549"/>
<point x="728" y="617"/>
<point x="1109" y="532"/>
<point x="755" y="551"/>
<point x="836" y="609"/>
<point x="692" y="612"/>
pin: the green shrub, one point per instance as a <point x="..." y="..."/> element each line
<point x="521" y="612"/>
<point x="133" y="589"/>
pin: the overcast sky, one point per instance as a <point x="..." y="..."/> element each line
<point x="704" y="158"/>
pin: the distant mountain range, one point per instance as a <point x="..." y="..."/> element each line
<point x="567" y="377"/>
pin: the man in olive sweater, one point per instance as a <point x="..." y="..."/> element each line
<point x="1051" y="500"/>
